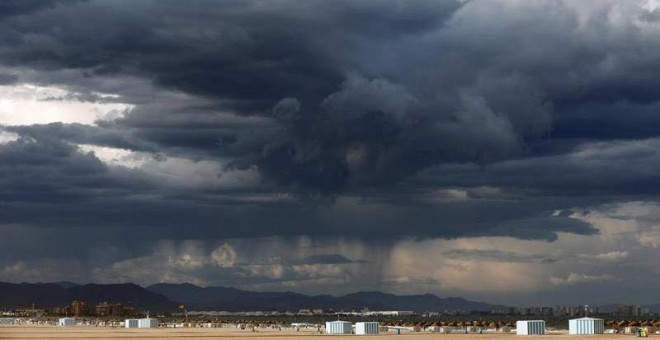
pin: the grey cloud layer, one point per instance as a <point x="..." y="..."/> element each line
<point x="352" y="124"/>
<point x="351" y="95"/>
<point x="372" y="120"/>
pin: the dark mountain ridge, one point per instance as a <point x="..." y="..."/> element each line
<point x="231" y="299"/>
<point x="167" y="297"/>
<point x="13" y="295"/>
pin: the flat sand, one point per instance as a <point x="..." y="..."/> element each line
<point x="79" y="332"/>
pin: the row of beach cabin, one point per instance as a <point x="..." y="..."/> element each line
<point x="128" y="323"/>
<point x="581" y="326"/>
<point x="345" y="327"/>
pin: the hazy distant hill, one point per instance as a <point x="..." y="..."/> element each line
<point x="66" y="284"/>
<point x="126" y="293"/>
<point x="425" y="302"/>
<point x="230" y="299"/>
<point x="40" y="294"/>
<point x="166" y="297"/>
<point x="61" y="294"/>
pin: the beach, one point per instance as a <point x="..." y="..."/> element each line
<point x="52" y="332"/>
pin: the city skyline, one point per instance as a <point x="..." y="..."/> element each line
<point x="500" y="151"/>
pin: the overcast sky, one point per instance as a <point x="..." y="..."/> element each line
<point x="505" y="151"/>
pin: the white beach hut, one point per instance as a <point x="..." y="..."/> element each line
<point x="366" y="328"/>
<point x="65" y="322"/>
<point x="147" y="323"/>
<point x="530" y="327"/>
<point x="7" y="321"/>
<point x="338" y="327"/>
<point x="131" y="323"/>
<point x="584" y="326"/>
<point x="446" y="329"/>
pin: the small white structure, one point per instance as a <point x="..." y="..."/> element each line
<point x="530" y="327"/>
<point x="147" y="323"/>
<point x="366" y="328"/>
<point x="399" y="330"/>
<point x="131" y="323"/>
<point x="446" y="329"/>
<point x="338" y="327"/>
<point x="630" y="330"/>
<point x="65" y="322"/>
<point x="7" y="321"/>
<point x="586" y="326"/>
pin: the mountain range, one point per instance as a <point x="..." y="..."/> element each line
<point x="59" y="294"/>
<point x="231" y="299"/>
<point x="167" y="297"/>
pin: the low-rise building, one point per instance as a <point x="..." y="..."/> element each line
<point x="586" y="326"/>
<point x="338" y="327"/>
<point x="131" y="323"/>
<point x="362" y="328"/>
<point x="530" y="327"/>
<point x="147" y="323"/>
<point x="66" y="322"/>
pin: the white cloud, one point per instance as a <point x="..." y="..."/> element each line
<point x="271" y="271"/>
<point x="612" y="256"/>
<point x="635" y="223"/>
<point x="650" y="238"/>
<point x="447" y="196"/>
<point x="7" y="137"/>
<point x="27" y="104"/>
<point x="319" y="270"/>
<point x="118" y="157"/>
<point x="224" y="256"/>
<point x="177" y="171"/>
<point x="574" y="278"/>
<point x="186" y="261"/>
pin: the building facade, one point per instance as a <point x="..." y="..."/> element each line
<point x="338" y="327"/>
<point x="66" y="322"/>
<point x="530" y="327"/>
<point x="367" y="328"/>
<point x="585" y="326"/>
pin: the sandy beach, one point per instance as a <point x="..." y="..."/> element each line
<point x="50" y="332"/>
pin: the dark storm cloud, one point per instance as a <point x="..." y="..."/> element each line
<point x="598" y="120"/>
<point x="73" y="190"/>
<point x="594" y="172"/>
<point x="232" y="50"/>
<point x="368" y="102"/>
<point x="250" y="56"/>
<point x="10" y="8"/>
